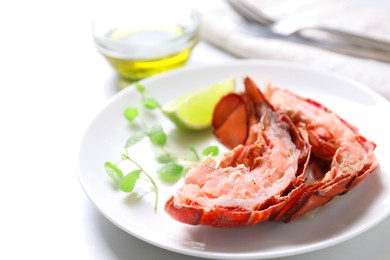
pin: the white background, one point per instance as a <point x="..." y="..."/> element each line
<point x="52" y="82"/>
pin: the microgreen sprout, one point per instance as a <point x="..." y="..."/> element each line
<point x="212" y="150"/>
<point x="171" y="169"/>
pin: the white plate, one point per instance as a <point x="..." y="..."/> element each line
<point x="344" y="218"/>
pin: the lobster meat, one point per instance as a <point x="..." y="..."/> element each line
<point x="289" y="156"/>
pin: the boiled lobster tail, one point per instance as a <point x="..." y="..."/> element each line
<point x="241" y="190"/>
<point x="340" y="156"/>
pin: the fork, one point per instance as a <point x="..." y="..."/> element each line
<point x="348" y="42"/>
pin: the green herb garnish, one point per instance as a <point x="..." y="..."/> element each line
<point x="172" y="167"/>
<point x="211" y="151"/>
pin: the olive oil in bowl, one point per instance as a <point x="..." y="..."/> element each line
<point x="138" y="50"/>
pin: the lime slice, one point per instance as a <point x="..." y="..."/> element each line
<point x="194" y="111"/>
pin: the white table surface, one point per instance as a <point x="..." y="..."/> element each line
<point x="52" y="83"/>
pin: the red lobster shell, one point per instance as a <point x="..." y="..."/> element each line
<point x="289" y="156"/>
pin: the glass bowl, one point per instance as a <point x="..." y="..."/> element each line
<point x="142" y="40"/>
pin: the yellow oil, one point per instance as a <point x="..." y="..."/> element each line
<point x="139" y="69"/>
<point x="137" y="66"/>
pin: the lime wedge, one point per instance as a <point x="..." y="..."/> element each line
<point x="194" y="111"/>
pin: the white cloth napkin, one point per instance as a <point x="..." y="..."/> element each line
<point x="220" y="29"/>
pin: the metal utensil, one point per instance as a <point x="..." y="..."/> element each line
<point x="338" y="40"/>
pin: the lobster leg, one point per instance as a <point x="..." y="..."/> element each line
<point x="230" y="121"/>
